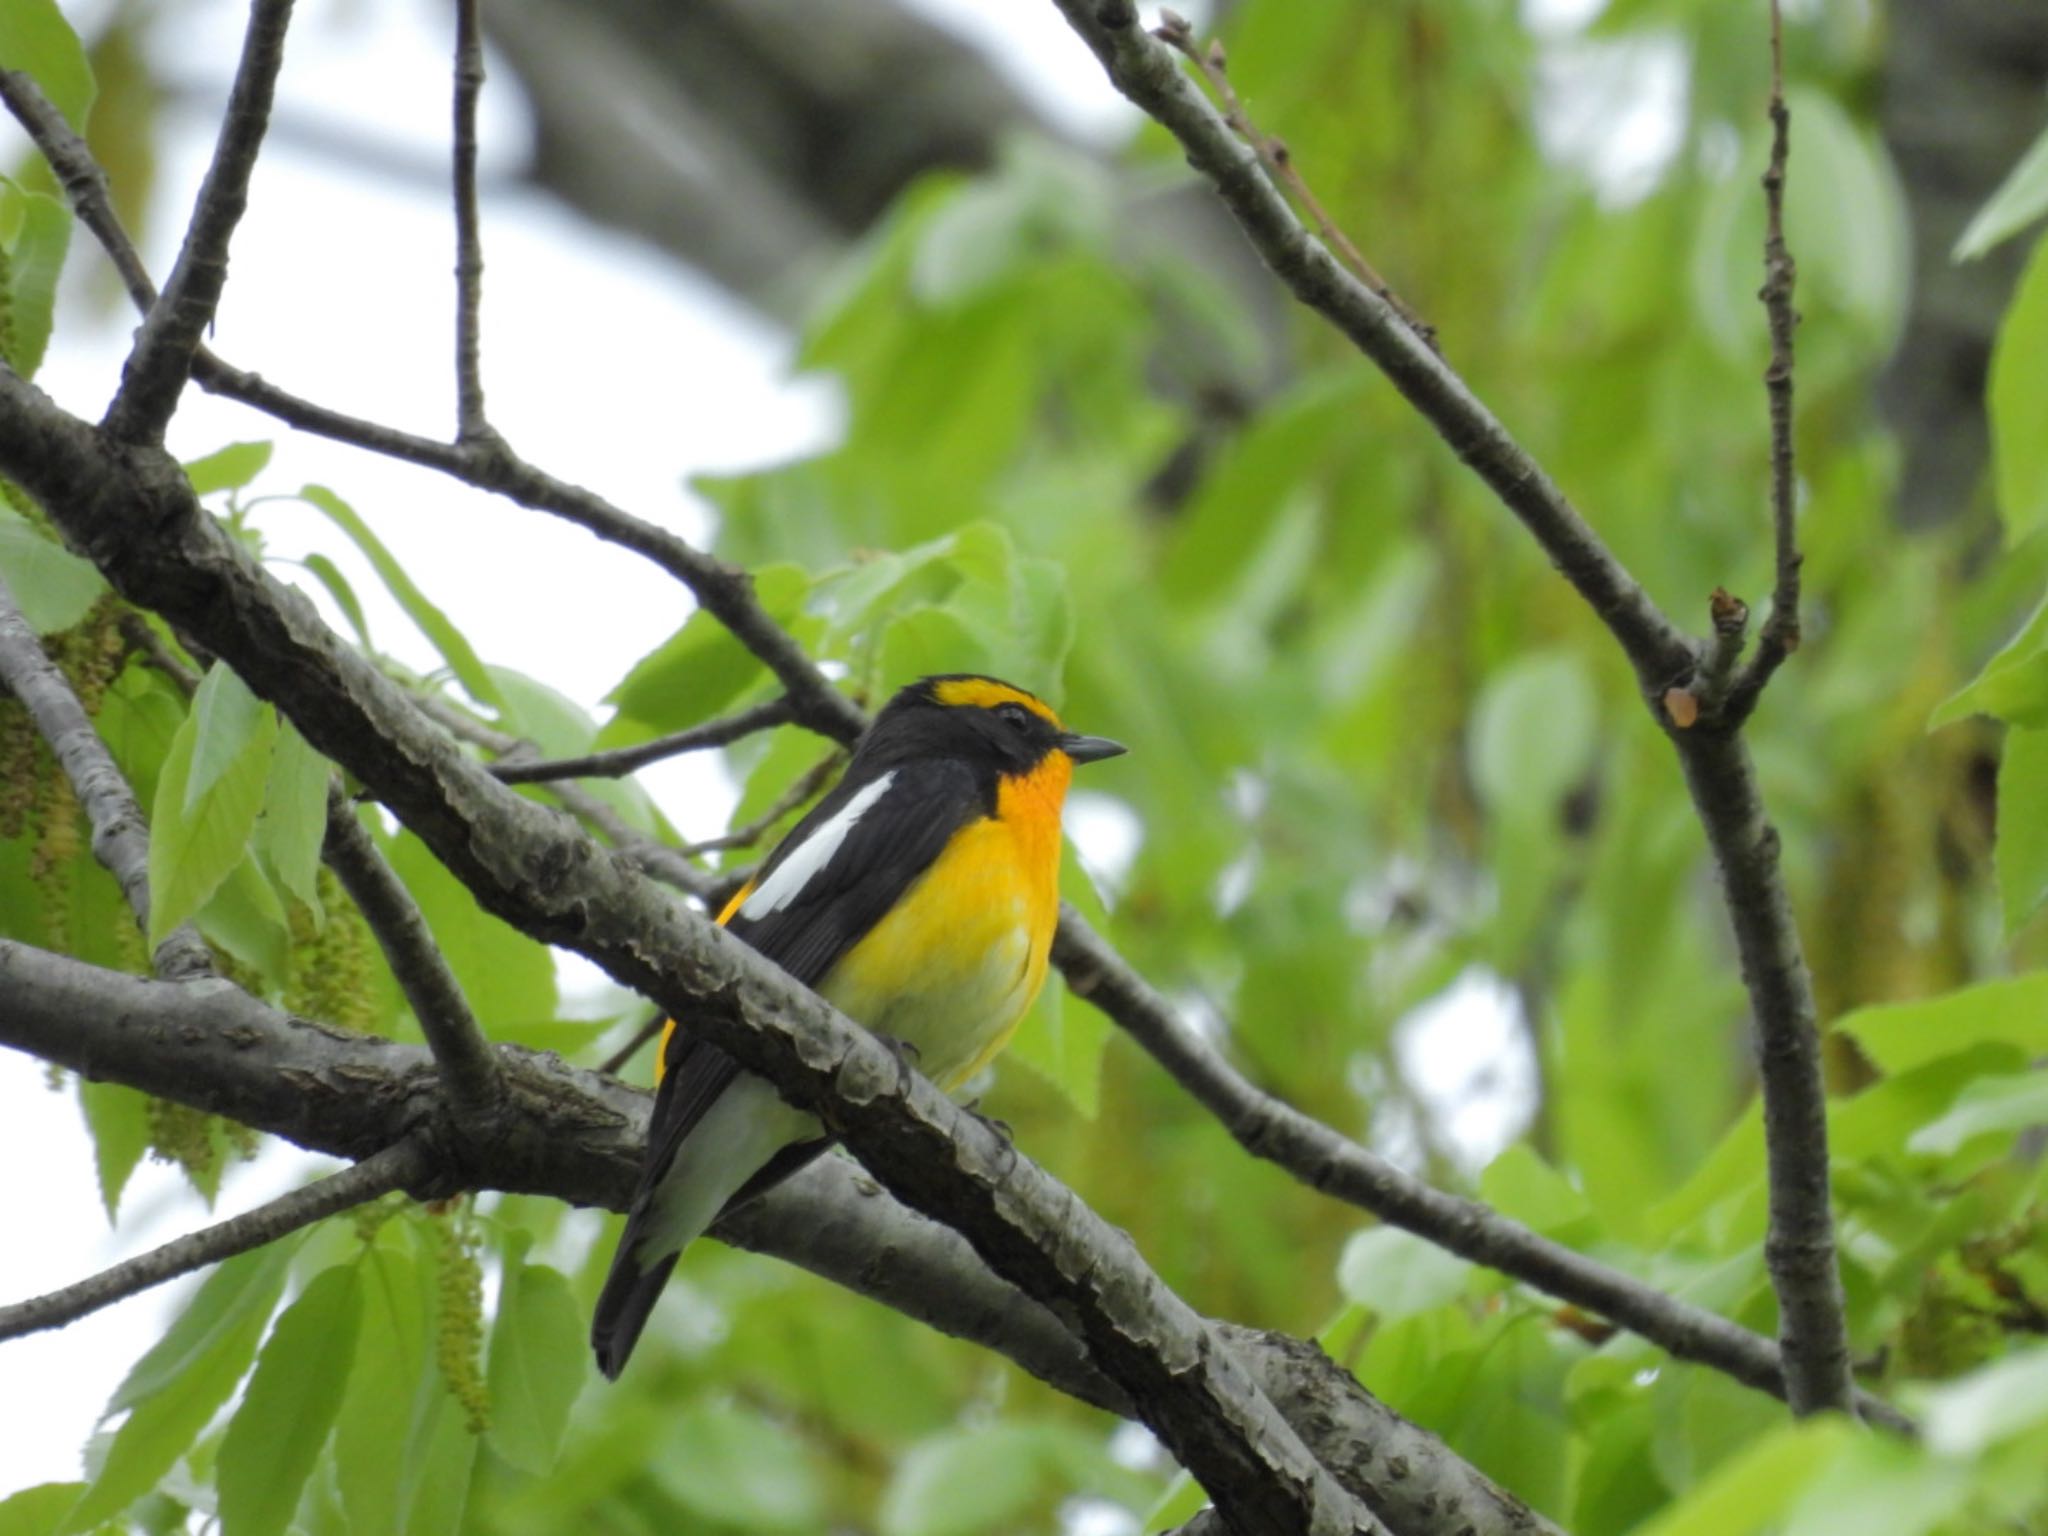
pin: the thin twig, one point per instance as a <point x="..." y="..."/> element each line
<point x="625" y="1053"/>
<point x="469" y="250"/>
<point x="1324" y="1160"/>
<point x="808" y="783"/>
<point x="120" y="832"/>
<point x="623" y="760"/>
<point x="469" y="1069"/>
<point x="84" y="183"/>
<point x="397" y="1166"/>
<point x="1780" y="635"/>
<point x="1175" y="31"/>
<point x="161" y="360"/>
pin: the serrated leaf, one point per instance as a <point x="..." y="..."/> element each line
<point x="293" y="824"/>
<point x="39" y="42"/>
<point x="394" y="1352"/>
<point x="537" y="1366"/>
<point x="277" y="1433"/>
<point x="175" y="1389"/>
<point x="2019" y="403"/>
<point x="196" y="842"/>
<point x="52" y="586"/>
<point x="432" y="622"/>
<point x="2020" y="199"/>
<point x="118" y="1117"/>
<point x="246" y="917"/>
<point x="229" y="468"/>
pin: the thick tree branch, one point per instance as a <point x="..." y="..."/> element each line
<point x="396" y="1167"/>
<point x="471" y="422"/>
<point x="469" y="1070"/>
<point x="135" y="516"/>
<point x="1718" y="771"/>
<point x="157" y="368"/>
<point x="624" y="760"/>
<point x="576" y="1136"/>
<point x="120" y="833"/>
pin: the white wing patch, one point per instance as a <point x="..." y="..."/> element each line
<point x="812" y="854"/>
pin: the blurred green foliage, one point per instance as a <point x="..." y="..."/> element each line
<point x="1381" y="757"/>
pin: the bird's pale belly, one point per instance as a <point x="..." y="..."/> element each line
<point x="958" y="962"/>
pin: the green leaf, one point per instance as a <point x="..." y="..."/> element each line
<point x="119" y="1119"/>
<point x="394" y="1354"/>
<point x="2013" y="685"/>
<point x="1983" y="1108"/>
<point x="1748" y="1492"/>
<point x="538" y="1365"/>
<point x="1533" y="734"/>
<point x="703" y="667"/>
<point x="35" y="261"/>
<point x="53" y="587"/>
<point x="432" y="622"/>
<point x="1879" y="1486"/>
<point x="2020" y="199"/>
<point x="196" y="841"/>
<point x="1398" y="1274"/>
<point x="337" y="585"/>
<point x="245" y="917"/>
<point x="1519" y="1183"/>
<point x="39" y="42"/>
<point x="229" y="468"/>
<point x="37" y="1511"/>
<point x="2022" y="850"/>
<point x="963" y="1482"/>
<point x="2019" y="403"/>
<point x="174" y="1391"/>
<point x="1902" y="1036"/>
<point x="228" y="718"/>
<point x="735" y="1467"/>
<point x="277" y="1433"/>
<point x="507" y="977"/>
<point x="293" y="825"/>
<point x="1966" y="1416"/>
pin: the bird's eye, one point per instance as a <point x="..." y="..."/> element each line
<point x="1015" y="716"/>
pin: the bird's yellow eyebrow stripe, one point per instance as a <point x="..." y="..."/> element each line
<point x="986" y="693"/>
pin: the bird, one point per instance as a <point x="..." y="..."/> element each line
<point x="919" y="897"/>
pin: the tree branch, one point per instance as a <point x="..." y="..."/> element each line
<point x="396" y="1167"/>
<point x="471" y="423"/>
<point x="120" y="832"/>
<point x="624" y="760"/>
<point x="1269" y="1128"/>
<point x="155" y="373"/>
<point x="134" y="514"/>
<point x="1147" y="71"/>
<point x="469" y="1070"/>
<point x="1780" y="636"/>
<point x="1718" y="771"/>
<point x="577" y="1136"/>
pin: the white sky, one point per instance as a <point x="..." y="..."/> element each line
<point x="341" y="290"/>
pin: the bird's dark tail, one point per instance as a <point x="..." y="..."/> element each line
<point x="624" y="1306"/>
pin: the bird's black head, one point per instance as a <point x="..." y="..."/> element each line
<point x="980" y="719"/>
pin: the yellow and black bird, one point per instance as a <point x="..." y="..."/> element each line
<point x="919" y="898"/>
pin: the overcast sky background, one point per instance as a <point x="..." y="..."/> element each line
<point x="341" y="291"/>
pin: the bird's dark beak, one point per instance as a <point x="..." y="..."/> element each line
<point x="1091" y="749"/>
